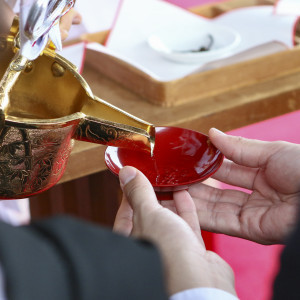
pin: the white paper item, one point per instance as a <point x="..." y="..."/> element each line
<point x="97" y="15"/>
<point x="138" y="19"/>
<point x="258" y="25"/>
<point x="252" y="53"/>
<point x="288" y="7"/>
<point x="100" y="48"/>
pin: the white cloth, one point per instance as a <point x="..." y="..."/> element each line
<point x="44" y="28"/>
<point x="15" y="212"/>
<point x="287" y="7"/>
<point x="203" y="294"/>
<point x="137" y="18"/>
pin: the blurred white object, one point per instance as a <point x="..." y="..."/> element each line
<point x="195" y="44"/>
<point x="288" y="7"/>
<point x="15" y="212"/>
<point x="137" y="20"/>
<point x="39" y="22"/>
<point x="252" y="53"/>
<point x="97" y="15"/>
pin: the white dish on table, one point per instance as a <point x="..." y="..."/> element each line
<point x="195" y="45"/>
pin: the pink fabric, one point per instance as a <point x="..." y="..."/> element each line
<point x="192" y="3"/>
<point x="255" y="266"/>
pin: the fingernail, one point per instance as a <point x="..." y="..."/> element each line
<point x="126" y="175"/>
<point x="218" y="131"/>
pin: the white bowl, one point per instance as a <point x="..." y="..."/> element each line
<point x="183" y="44"/>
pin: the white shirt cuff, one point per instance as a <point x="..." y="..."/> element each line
<point x="203" y="294"/>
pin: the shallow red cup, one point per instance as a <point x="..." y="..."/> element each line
<point x="181" y="157"/>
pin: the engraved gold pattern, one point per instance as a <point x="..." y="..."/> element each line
<point x="45" y="105"/>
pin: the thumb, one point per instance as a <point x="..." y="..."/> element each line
<point x="137" y="189"/>
<point x="246" y="152"/>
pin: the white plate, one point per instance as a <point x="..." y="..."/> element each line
<point x="182" y="44"/>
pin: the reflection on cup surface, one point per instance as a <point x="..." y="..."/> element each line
<point x="181" y="157"/>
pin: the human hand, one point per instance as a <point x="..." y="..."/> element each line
<point x="270" y="170"/>
<point x="178" y="237"/>
<point x="70" y="18"/>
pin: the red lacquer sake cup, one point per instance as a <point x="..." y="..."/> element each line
<point x="181" y="157"/>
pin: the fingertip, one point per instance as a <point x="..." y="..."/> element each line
<point x="214" y="131"/>
<point x="218" y="138"/>
<point x="136" y="187"/>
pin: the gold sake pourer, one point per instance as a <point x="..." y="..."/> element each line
<point x="44" y="105"/>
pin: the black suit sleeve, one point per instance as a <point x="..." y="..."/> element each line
<point x="62" y="258"/>
<point x="287" y="282"/>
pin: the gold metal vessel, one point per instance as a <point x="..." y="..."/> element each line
<point x="44" y="105"/>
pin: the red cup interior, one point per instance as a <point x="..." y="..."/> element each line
<point x="181" y="157"/>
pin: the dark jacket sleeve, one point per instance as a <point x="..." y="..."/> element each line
<point x="63" y="258"/>
<point x="287" y="282"/>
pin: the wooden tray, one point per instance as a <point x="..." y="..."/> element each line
<point x="200" y="85"/>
